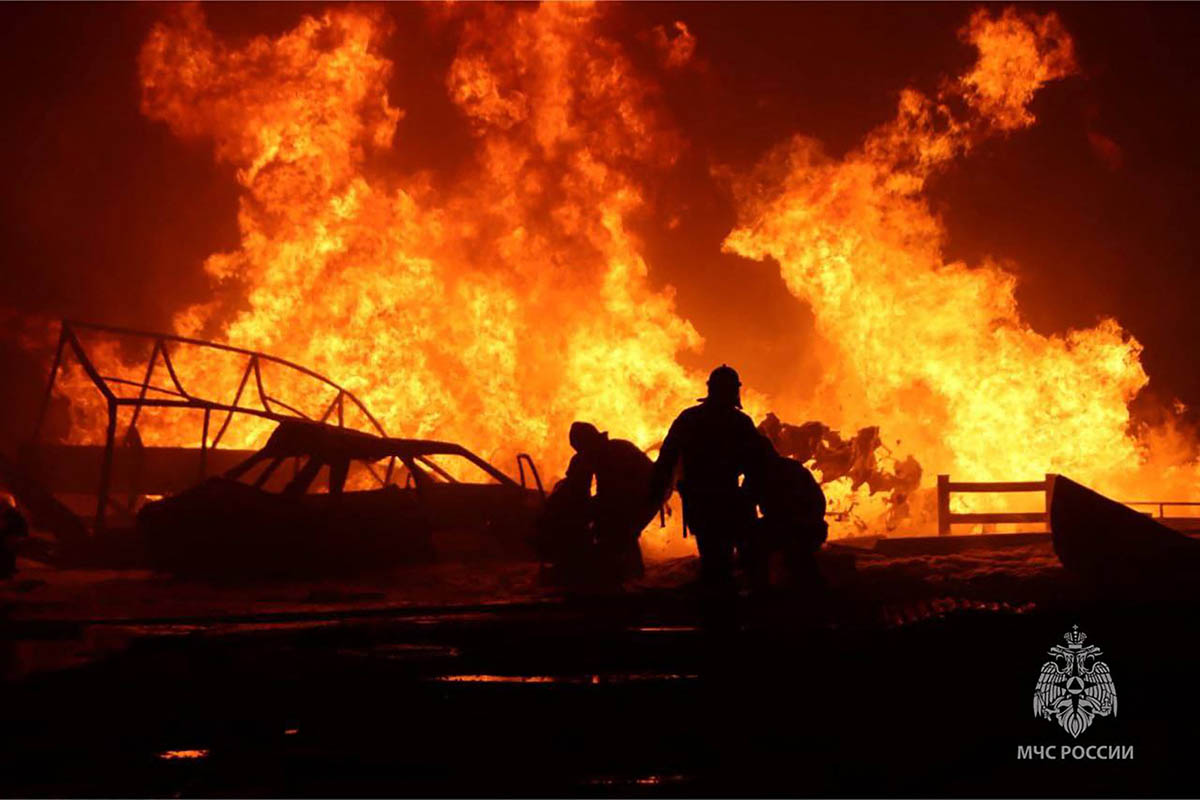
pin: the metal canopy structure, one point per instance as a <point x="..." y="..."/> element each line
<point x="256" y="402"/>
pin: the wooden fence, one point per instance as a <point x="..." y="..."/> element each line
<point x="945" y="488"/>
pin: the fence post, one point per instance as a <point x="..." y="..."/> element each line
<point x="943" y="501"/>
<point x="1049" y="484"/>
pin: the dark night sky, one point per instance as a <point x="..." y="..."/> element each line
<point x="108" y="217"/>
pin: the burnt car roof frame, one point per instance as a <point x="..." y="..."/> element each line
<point x="325" y="445"/>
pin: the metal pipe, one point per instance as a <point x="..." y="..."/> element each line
<point x="106" y="465"/>
<point x="37" y="428"/>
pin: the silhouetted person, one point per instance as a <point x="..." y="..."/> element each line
<point x="612" y="521"/>
<point x="792" y="521"/>
<point x="620" y="509"/>
<point x="713" y="445"/>
<point x="563" y="533"/>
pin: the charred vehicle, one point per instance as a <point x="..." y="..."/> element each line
<point x="318" y="499"/>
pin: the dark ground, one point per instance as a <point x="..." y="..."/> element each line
<point x="911" y="677"/>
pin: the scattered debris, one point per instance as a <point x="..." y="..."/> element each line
<point x="819" y="446"/>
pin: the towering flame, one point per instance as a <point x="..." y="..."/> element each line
<point x="937" y="352"/>
<point x="494" y="311"/>
<point x="496" y="308"/>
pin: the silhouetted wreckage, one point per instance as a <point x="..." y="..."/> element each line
<point x="1117" y="548"/>
<point x="321" y="497"/>
<point x="853" y="458"/>
<point x="434" y="499"/>
<point x="318" y="497"/>
<point x="122" y="470"/>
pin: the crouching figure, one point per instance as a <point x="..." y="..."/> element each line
<point x="594" y="539"/>
<point x="791" y="522"/>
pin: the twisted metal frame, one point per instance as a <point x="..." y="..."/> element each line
<point x="177" y="396"/>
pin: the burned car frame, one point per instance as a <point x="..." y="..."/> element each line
<point x="340" y="510"/>
<point x="354" y="499"/>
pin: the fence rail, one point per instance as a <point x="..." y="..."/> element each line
<point x="946" y="487"/>
<point x="946" y="518"/>
<point x="1162" y="505"/>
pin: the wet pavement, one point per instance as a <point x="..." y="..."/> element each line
<point x="873" y="688"/>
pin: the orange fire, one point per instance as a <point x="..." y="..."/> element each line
<point x="494" y="311"/>
<point x="496" y="308"/>
<point x="937" y="353"/>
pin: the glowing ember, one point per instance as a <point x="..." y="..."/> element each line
<point x="572" y="679"/>
<point x="171" y="755"/>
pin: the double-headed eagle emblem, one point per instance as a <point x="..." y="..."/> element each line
<point x="1074" y="687"/>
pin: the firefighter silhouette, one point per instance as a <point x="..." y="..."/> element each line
<point x="595" y="538"/>
<point x="791" y="522"/>
<point x="710" y="448"/>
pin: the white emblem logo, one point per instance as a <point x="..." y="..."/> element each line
<point x="1074" y="687"/>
